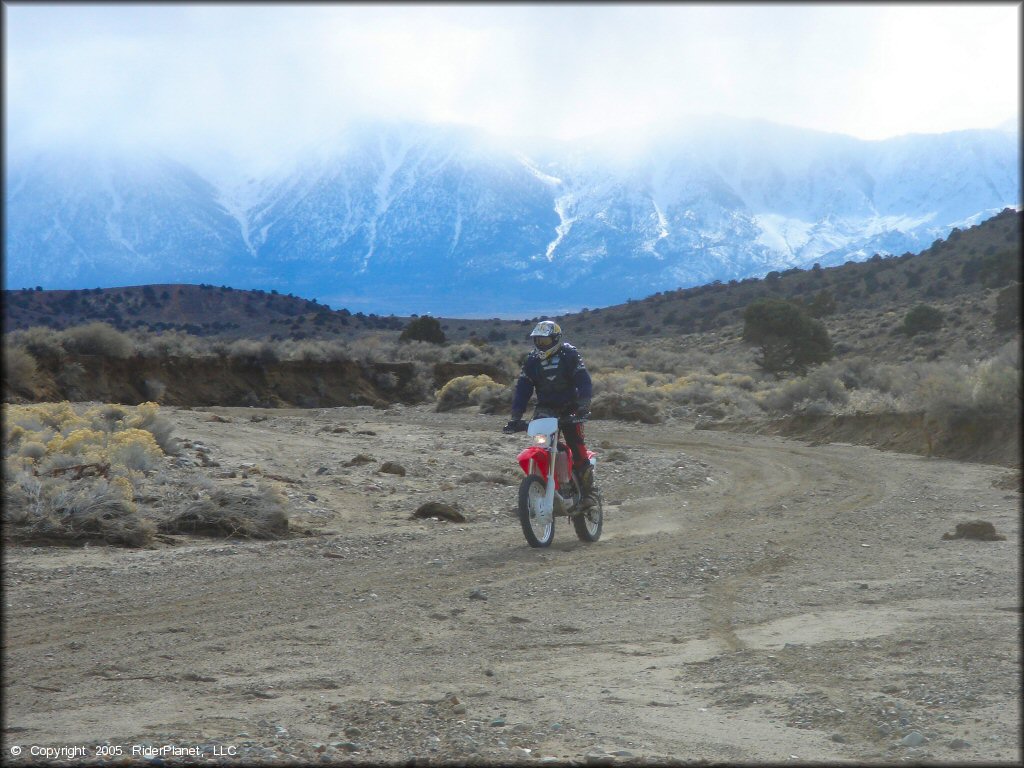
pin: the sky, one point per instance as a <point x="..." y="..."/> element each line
<point x="262" y="79"/>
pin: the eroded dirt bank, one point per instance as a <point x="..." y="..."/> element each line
<point x="965" y="437"/>
<point x="752" y="599"/>
<point x="203" y="381"/>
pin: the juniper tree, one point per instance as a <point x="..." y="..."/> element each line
<point x="790" y="340"/>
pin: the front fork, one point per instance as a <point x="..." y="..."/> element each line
<point x="548" y="505"/>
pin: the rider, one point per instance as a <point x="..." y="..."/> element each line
<point x="556" y="371"/>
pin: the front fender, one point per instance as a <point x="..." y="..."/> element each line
<point x="539" y="456"/>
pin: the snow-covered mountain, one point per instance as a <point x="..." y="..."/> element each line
<point x="406" y="218"/>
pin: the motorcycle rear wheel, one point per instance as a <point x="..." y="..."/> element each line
<point x="538" y="528"/>
<point x="589" y="522"/>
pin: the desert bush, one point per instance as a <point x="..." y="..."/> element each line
<point x="93" y="434"/>
<point x="90" y="509"/>
<point x="816" y="392"/>
<point x="315" y="350"/>
<point x="1007" y="315"/>
<point x="169" y="344"/>
<point x="233" y="514"/>
<point x="19" y="370"/>
<point x="996" y="383"/>
<point x="716" y="396"/>
<point x="822" y="305"/>
<point x="923" y="318"/>
<point x="253" y="351"/>
<point x="496" y="398"/>
<point x="386" y="380"/>
<point x="40" y="342"/>
<point x="97" y="338"/>
<point x="625" y="407"/>
<point x="462" y="390"/>
<point x="32" y="449"/>
<point x="135" y="449"/>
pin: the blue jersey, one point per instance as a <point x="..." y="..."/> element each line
<point x="560" y="380"/>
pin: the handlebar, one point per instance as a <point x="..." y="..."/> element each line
<point x="521" y="425"/>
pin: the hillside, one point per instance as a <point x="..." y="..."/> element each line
<point x="861" y="303"/>
<point x="200" y="310"/>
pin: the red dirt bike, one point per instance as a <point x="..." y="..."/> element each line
<point x="544" y="495"/>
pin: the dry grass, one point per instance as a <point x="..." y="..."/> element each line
<point x="233" y="514"/>
<point x="72" y="475"/>
<point x="97" y="339"/>
<point x="19" y="370"/>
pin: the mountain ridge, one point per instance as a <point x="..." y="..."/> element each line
<point x="413" y="218"/>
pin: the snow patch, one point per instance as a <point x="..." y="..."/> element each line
<point x="651" y="245"/>
<point x="458" y="230"/>
<point x="782" y="234"/>
<point x="562" y="205"/>
<point x="547" y="179"/>
<point x="383" y="192"/>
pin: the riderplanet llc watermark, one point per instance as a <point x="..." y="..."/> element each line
<point x="107" y="750"/>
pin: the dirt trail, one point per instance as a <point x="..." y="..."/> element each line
<point x="753" y="598"/>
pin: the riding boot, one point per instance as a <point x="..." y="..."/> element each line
<point x="586" y="480"/>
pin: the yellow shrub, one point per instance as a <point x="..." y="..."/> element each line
<point x="124" y="487"/>
<point x="135" y="437"/>
<point x="78" y="442"/>
<point x="106" y="417"/>
<point x="143" y="415"/>
<point x="56" y="415"/>
<point x="13" y="434"/>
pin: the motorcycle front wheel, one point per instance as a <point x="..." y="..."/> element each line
<point x="538" y="527"/>
<point x="588" y="523"/>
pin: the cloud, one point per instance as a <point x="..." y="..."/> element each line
<point x="261" y="78"/>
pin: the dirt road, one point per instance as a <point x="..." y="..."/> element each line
<point x="752" y="599"/>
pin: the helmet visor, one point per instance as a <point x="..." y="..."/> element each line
<point x="544" y="343"/>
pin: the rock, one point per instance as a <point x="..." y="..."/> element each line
<point x="959" y="744"/>
<point x="459" y="709"/>
<point x="391" y="468"/>
<point x="353" y="732"/>
<point x="362" y="458"/>
<point x="912" y="739"/>
<point x="335" y="555"/>
<point x="323" y="471"/>
<point x="498" y="722"/>
<point x="979" y="530"/>
<point x="440" y="510"/>
<point x="477" y="594"/>
<point x="838" y="738"/>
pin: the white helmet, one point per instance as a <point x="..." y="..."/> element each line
<point x="547" y="337"/>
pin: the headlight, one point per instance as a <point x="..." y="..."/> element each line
<point x="540" y="439"/>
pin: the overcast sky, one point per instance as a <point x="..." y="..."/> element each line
<point x="257" y="77"/>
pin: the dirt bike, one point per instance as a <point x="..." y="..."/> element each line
<point x="544" y="495"/>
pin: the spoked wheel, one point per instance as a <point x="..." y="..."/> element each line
<point x="538" y="526"/>
<point x="588" y="523"/>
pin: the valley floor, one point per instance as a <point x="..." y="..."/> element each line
<point x="752" y="599"/>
